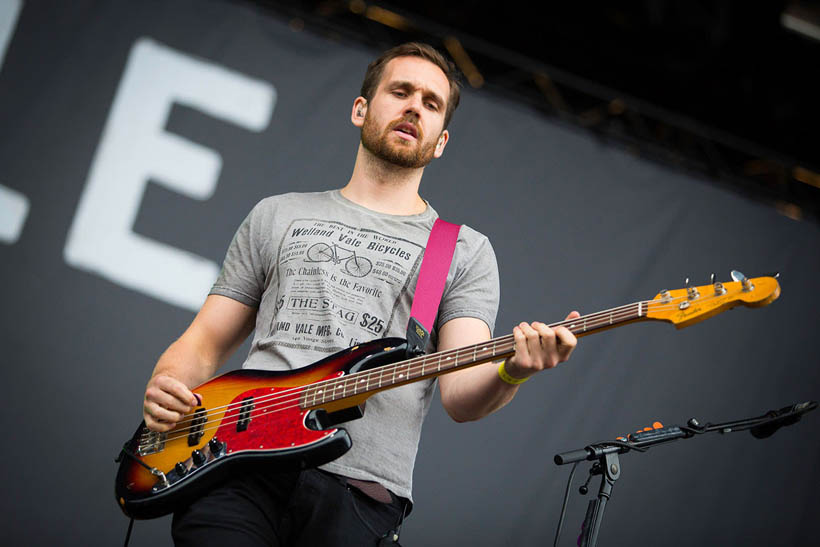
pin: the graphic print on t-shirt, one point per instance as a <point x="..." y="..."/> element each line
<point x="338" y="285"/>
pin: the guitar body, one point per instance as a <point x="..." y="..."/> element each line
<point x="247" y="418"/>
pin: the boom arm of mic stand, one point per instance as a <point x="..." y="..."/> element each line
<point x="641" y="441"/>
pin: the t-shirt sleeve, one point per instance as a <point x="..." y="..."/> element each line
<point x="244" y="271"/>
<point x="474" y="290"/>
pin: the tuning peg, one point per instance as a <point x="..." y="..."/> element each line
<point x="691" y="292"/>
<point x="747" y="283"/>
<point x="719" y="288"/>
<point x="686" y="283"/>
<point x="712" y="278"/>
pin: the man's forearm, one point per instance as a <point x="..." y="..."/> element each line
<point x="168" y="395"/>
<point x="185" y="362"/>
<point x="217" y="330"/>
<point x="473" y="393"/>
<point x="476" y="392"/>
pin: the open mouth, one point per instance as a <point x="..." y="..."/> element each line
<point x="406" y="130"/>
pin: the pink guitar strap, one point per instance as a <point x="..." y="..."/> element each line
<point x="438" y="255"/>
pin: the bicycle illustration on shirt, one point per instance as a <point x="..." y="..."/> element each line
<point x="355" y="265"/>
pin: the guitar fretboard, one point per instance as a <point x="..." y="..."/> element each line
<point x="435" y="364"/>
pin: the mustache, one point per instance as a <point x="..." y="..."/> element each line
<point x="407" y="119"/>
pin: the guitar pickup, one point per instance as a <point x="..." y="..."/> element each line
<point x="197" y="427"/>
<point x="244" y="414"/>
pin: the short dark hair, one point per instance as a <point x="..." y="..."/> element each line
<point x="414" y="49"/>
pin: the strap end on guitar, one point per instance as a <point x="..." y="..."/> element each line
<point x="418" y="338"/>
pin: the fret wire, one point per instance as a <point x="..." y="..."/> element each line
<point x="601" y="319"/>
<point x="594" y="316"/>
<point x="501" y="344"/>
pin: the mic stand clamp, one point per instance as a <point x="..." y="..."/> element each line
<point x="609" y="467"/>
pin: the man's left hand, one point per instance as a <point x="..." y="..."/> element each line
<point x="539" y="347"/>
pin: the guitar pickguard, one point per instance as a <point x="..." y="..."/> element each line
<point x="274" y="422"/>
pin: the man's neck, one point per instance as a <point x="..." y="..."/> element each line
<point x="383" y="187"/>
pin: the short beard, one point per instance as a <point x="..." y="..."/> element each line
<point x="400" y="156"/>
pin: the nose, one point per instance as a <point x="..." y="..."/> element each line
<point x="414" y="105"/>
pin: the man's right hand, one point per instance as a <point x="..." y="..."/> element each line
<point x="167" y="400"/>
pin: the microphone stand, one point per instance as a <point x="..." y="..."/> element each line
<point x="607" y="464"/>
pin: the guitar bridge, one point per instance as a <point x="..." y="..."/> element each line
<point x="151" y="442"/>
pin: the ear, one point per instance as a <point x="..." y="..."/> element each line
<point x="442" y="142"/>
<point x="359" y="111"/>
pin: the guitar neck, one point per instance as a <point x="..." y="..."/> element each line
<point x="428" y="366"/>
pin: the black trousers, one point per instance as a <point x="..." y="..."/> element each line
<point x="310" y="508"/>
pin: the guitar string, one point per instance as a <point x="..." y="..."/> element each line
<point x="413" y="368"/>
<point x="591" y="321"/>
<point x="411" y="365"/>
<point x="272" y="407"/>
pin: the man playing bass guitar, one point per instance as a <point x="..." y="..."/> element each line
<point x="310" y="274"/>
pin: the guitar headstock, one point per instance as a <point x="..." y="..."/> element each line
<point x="690" y="305"/>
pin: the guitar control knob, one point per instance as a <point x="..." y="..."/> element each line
<point x="198" y="457"/>
<point x="216" y="446"/>
<point x="180" y="469"/>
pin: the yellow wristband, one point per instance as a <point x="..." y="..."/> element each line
<point x="502" y="373"/>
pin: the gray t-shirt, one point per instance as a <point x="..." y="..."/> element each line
<point x="326" y="274"/>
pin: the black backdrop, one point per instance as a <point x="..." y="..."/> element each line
<point x="134" y="137"/>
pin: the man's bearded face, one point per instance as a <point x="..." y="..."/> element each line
<point x="386" y="145"/>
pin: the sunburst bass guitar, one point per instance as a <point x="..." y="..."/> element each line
<point x="287" y="419"/>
